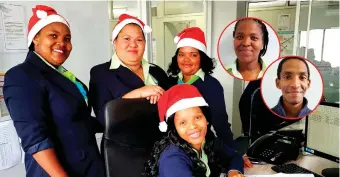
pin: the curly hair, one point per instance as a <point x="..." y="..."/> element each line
<point x="207" y="64"/>
<point x="265" y="34"/>
<point x="199" y="169"/>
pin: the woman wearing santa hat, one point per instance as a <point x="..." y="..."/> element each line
<point x="127" y="74"/>
<point x="190" y="148"/>
<point x="48" y="104"/>
<point x="191" y="65"/>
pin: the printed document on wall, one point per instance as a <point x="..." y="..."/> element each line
<point x="10" y="151"/>
<point x="13" y="28"/>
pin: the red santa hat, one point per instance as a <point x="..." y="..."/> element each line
<point x="125" y="19"/>
<point x="191" y="37"/>
<point x="177" y="98"/>
<point x="42" y="16"/>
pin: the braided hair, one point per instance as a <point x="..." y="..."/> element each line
<point x="265" y="34"/>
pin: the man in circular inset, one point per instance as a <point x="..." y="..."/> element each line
<point x="293" y="79"/>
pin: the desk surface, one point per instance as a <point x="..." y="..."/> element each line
<point x="313" y="163"/>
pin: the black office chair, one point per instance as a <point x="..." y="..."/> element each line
<point x="131" y="130"/>
<point x="256" y="118"/>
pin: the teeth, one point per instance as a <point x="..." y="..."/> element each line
<point x="60" y="51"/>
<point x="195" y="135"/>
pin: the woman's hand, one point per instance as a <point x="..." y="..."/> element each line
<point x="234" y="173"/>
<point x="247" y="162"/>
<point x="153" y="99"/>
<point x="150" y="90"/>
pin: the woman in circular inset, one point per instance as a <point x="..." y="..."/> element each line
<point x="250" y="44"/>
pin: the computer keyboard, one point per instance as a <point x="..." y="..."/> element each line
<point x="292" y="168"/>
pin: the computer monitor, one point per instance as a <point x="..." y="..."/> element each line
<point x="322" y="131"/>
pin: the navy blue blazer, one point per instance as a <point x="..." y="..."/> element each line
<point x="212" y="92"/>
<point x="49" y="111"/>
<point x="110" y="84"/>
<point x="174" y="162"/>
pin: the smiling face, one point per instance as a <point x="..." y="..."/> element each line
<point x="53" y="43"/>
<point x="293" y="81"/>
<point x="189" y="60"/>
<point x="191" y="125"/>
<point x="248" y="41"/>
<point x="130" y="44"/>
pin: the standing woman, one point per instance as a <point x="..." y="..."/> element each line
<point x="127" y="75"/>
<point x="250" y="44"/>
<point x="48" y="104"/>
<point x="191" y="65"/>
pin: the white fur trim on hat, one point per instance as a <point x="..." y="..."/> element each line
<point x="184" y="104"/>
<point x="192" y="43"/>
<point x="163" y="126"/>
<point x="121" y="25"/>
<point x="42" y="23"/>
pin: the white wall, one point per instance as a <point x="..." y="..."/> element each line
<point x="90" y="38"/>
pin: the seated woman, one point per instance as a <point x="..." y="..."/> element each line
<point x="250" y="44"/>
<point x="190" y="148"/>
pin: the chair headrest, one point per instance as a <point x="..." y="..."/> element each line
<point x="132" y="122"/>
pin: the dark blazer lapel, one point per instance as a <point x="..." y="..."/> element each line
<point x="54" y="76"/>
<point x="128" y="78"/>
<point x="160" y="76"/>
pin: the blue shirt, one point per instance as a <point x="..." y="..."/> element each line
<point x="278" y="109"/>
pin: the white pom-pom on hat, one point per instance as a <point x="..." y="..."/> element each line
<point x="176" y="39"/>
<point x="41" y="14"/>
<point x="163" y="126"/>
<point x="147" y="29"/>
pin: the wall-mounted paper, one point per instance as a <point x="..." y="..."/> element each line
<point x="10" y="151"/>
<point x="13" y="28"/>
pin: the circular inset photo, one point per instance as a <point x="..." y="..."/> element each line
<point x="292" y="87"/>
<point x="246" y="47"/>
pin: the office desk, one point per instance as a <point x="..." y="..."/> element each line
<point x="313" y="163"/>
